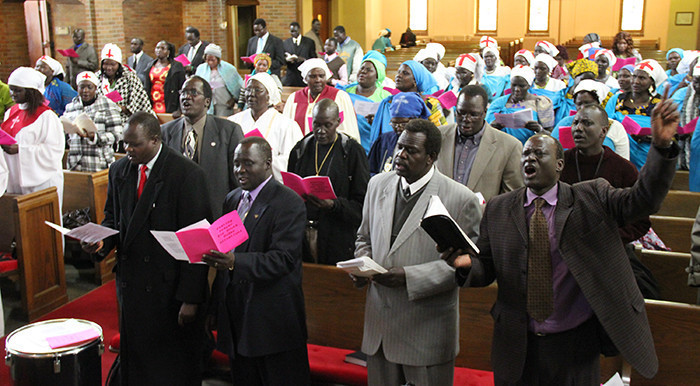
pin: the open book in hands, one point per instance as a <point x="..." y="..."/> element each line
<point x="81" y="125"/>
<point x="319" y="186"/>
<point x="438" y="223"/>
<point x="193" y="241"/>
<point x="362" y="266"/>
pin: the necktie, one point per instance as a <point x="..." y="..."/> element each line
<point x="407" y="192"/>
<point x="260" y="46"/>
<point x="190" y="143"/>
<point x="136" y="61"/>
<point x="142" y="180"/>
<point x="540" y="303"/>
<point x="244" y="206"/>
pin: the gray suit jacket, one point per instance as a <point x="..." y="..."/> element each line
<point x="218" y="143"/>
<point x="142" y="67"/>
<point x="416" y="325"/>
<point x="496" y="167"/>
<point x="88" y="61"/>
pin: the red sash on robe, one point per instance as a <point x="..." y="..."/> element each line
<point x="301" y="98"/>
<point x="19" y="119"/>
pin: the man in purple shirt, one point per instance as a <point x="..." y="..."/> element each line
<point x="256" y="297"/>
<point x="566" y="291"/>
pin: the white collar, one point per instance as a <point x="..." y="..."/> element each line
<point x="150" y="163"/>
<point x="420" y="183"/>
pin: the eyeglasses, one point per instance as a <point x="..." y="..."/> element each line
<point x="398" y="125"/>
<point x="190" y="92"/>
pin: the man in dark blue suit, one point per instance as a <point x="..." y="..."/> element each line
<point x="257" y="298"/>
<point x="272" y="45"/>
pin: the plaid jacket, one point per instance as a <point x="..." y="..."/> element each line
<point x="91" y="156"/>
<point x="131" y="89"/>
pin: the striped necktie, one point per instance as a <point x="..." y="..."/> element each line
<point x="190" y="143"/>
<point x="244" y="206"/>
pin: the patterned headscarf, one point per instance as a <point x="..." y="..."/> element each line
<point x="578" y="67"/>
<point x="261" y="56"/>
<point x="408" y="105"/>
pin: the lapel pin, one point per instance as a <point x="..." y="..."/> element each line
<point x="213" y="143"/>
<point x="255" y="216"/>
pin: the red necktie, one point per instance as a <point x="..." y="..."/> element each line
<point x="142" y="180"/>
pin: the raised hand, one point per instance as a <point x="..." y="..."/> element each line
<point x="664" y="121"/>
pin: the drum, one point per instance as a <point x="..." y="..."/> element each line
<point x="33" y="361"/>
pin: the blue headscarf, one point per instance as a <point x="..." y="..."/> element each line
<point x="374" y="54"/>
<point x="679" y="51"/>
<point x="424" y="79"/>
<point x="408" y="105"/>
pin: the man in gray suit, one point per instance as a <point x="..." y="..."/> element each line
<point x="411" y="314"/>
<point x="207" y="140"/>
<point x="86" y="60"/>
<point x="139" y="61"/>
<point x="566" y="291"/>
<point x="475" y="154"/>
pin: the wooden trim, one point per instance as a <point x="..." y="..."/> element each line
<point x="427" y="17"/>
<point x="538" y="33"/>
<point x="639" y="32"/>
<point x="481" y="31"/>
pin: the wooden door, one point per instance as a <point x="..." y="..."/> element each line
<point x="38" y="33"/>
<point x="322" y="11"/>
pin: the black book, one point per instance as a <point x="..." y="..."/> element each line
<point x="357" y="358"/>
<point x="444" y="230"/>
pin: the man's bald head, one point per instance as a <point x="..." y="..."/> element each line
<point x="328" y="106"/>
<point x="326" y="119"/>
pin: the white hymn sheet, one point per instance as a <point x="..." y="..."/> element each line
<point x="169" y="241"/>
<point x="514" y="120"/>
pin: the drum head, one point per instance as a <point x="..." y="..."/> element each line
<point x="33" y="339"/>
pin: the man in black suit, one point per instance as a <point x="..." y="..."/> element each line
<point x="212" y="140"/>
<point x="139" y="61"/>
<point x="257" y="298"/>
<point x="161" y="323"/>
<point x="296" y="50"/>
<point x="263" y="41"/>
<point x="193" y="49"/>
<point x="566" y="291"/>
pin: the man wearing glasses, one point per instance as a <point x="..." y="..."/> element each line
<point x="475" y="154"/>
<point x="205" y="139"/>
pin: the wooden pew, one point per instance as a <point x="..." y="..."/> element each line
<point x="674" y="327"/>
<point x="680" y="204"/>
<point x="673" y="231"/>
<point x="669" y="270"/>
<point x="680" y="180"/>
<point x="39" y="249"/>
<point x="287" y="91"/>
<point x="164" y="117"/>
<point x="89" y="190"/>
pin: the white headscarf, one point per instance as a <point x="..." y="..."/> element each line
<point x="27" y="77"/>
<point x="548" y="61"/>
<point x="494" y="51"/>
<point x="688" y="57"/>
<point x="270" y="85"/>
<point x="111" y="51"/>
<point x="212" y="49"/>
<point x="608" y="54"/>
<point x="488" y="41"/>
<point x="524" y="72"/>
<point x="437" y="48"/>
<point x="54" y="64"/>
<point x="424" y="53"/>
<point x="310" y="64"/>
<point x="88" y="76"/>
<point x="473" y="63"/>
<point x="527" y="55"/>
<point x="654" y="69"/>
<point x="599" y="88"/>
<point x="548" y="47"/>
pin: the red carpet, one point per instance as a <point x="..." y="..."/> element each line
<point x="99" y="306"/>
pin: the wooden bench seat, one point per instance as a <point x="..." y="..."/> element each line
<point x="668" y="269"/>
<point x="673" y="231"/>
<point x="680" y="180"/>
<point x="89" y="190"/>
<point x="680" y="204"/>
<point x="41" y="273"/>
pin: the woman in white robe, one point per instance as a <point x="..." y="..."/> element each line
<point x="35" y="161"/>
<point x="261" y="95"/>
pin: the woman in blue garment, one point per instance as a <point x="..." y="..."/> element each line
<point x="383" y="42"/>
<point x="694" y="164"/>
<point x="590" y="92"/>
<point x="673" y="58"/>
<point x="410" y="77"/>
<point x="406" y="107"/>
<point x="520" y="98"/>
<point x="496" y="77"/>
<point x="682" y="79"/>
<point x="367" y="89"/>
<point x="624" y="79"/>
<point x="638" y="105"/>
<point x="56" y="91"/>
<point x="224" y="79"/>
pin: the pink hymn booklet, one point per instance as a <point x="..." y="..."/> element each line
<point x="193" y="241"/>
<point x="72" y="339"/>
<point x="183" y="59"/>
<point x="566" y="138"/>
<point x="319" y="186"/>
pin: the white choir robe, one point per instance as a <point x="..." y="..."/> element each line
<point x="280" y="132"/>
<point x="39" y="162"/>
<point x="554" y="85"/>
<point x="342" y="99"/>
